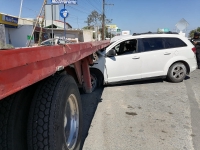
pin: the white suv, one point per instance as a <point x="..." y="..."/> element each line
<point x="143" y="56"/>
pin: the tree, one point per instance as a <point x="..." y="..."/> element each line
<point x="191" y="34"/>
<point x="93" y="19"/>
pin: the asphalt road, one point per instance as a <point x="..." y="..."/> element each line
<point x="153" y="115"/>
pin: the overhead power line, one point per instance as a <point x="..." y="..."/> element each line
<point x="78" y="10"/>
<point x="98" y="10"/>
<point x="85" y="8"/>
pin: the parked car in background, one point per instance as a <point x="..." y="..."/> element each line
<point x="56" y="41"/>
<point x="144" y="56"/>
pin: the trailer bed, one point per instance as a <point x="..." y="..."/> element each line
<point x="20" y="68"/>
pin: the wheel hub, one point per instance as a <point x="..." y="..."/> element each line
<point x="71" y="122"/>
<point x="178" y="72"/>
<point x="93" y="82"/>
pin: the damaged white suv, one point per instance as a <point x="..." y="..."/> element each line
<point x="144" y="56"/>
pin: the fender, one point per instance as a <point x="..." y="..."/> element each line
<point x="100" y="64"/>
<point x="172" y="61"/>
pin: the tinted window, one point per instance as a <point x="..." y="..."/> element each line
<point x="150" y="44"/>
<point x="126" y="47"/>
<point x="173" y="42"/>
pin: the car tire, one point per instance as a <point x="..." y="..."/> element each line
<point x="96" y="78"/>
<point x="177" y="72"/>
<point x="55" y="115"/>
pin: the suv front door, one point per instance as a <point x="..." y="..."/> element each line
<point x="126" y="65"/>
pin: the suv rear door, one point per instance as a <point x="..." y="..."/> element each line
<point x="154" y="56"/>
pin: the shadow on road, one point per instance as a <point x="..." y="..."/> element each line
<point x="143" y="82"/>
<point x="187" y="77"/>
<point x="89" y="106"/>
<point x="138" y="82"/>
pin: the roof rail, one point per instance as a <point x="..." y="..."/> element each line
<point x="155" y="33"/>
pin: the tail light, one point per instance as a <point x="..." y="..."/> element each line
<point x="194" y="50"/>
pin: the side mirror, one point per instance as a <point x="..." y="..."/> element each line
<point x="58" y="42"/>
<point x="111" y="53"/>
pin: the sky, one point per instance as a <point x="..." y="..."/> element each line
<point x="134" y="15"/>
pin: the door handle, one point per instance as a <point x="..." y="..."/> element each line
<point x="136" y="57"/>
<point x="167" y="53"/>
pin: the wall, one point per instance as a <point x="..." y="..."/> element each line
<point x="23" y="21"/>
<point x="87" y="35"/>
<point x="2" y="36"/>
<point x="126" y="32"/>
<point x="18" y="36"/>
<point x="60" y="24"/>
<point x="81" y="35"/>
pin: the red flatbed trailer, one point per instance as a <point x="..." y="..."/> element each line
<point x="26" y="75"/>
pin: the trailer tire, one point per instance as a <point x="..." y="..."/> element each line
<point x="14" y="111"/>
<point x="55" y="115"/>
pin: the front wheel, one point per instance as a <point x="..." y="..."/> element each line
<point x="177" y="72"/>
<point x="96" y="78"/>
<point x="55" y="116"/>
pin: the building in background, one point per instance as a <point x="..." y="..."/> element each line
<point x="18" y="31"/>
<point x="2" y="36"/>
<point x="8" y="24"/>
<point x="126" y="32"/>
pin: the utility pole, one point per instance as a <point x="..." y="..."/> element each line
<point x="103" y="20"/>
<point x="77" y="23"/>
<point x="20" y="11"/>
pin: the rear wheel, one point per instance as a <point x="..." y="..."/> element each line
<point x="55" y="116"/>
<point x="177" y="72"/>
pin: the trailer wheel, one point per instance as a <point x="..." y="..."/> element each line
<point x="13" y="120"/>
<point x="55" y="115"/>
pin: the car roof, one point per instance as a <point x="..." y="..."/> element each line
<point x="147" y="35"/>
